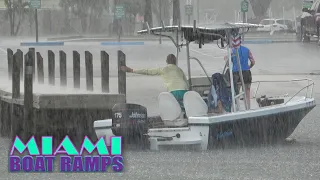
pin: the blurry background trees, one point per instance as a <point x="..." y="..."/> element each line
<point x="87" y="11"/>
<point x="260" y="7"/>
<point x="148" y="13"/>
<point x="97" y="16"/>
<point x="176" y="12"/>
<point x="16" y="13"/>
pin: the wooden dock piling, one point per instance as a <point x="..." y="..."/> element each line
<point x="10" y="59"/>
<point x="20" y="57"/>
<point x="89" y="70"/>
<point x="40" y="68"/>
<point x="122" y="82"/>
<point x="28" y="97"/>
<point x="76" y="70"/>
<point x="13" y="125"/>
<point x="105" y="71"/>
<point x="33" y="55"/>
<point x="51" y="67"/>
<point x="63" y="68"/>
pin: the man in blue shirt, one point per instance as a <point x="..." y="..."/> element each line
<point x="245" y="56"/>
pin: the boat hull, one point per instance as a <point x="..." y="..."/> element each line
<point x="266" y="125"/>
<point x="263" y="129"/>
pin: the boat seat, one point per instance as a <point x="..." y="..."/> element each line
<point x="170" y="111"/>
<point x="194" y="104"/>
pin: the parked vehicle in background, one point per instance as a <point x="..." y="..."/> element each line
<point x="277" y="25"/>
<point x="310" y="22"/>
<point x="288" y="24"/>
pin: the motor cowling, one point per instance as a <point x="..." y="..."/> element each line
<point x="129" y="121"/>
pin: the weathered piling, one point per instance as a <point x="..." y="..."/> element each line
<point x="122" y="83"/>
<point x="10" y="59"/>
<point x="33" y="54"/>
<point x="16" y="75"/>
<point x="63" y="68"/>
<point x="76" y="70"/>
<point x="104" y="71"/>
<point x="13" y="122"/>
<point x="40" y="68"/>
<point x="28" y="97"/>
<point x="89" y="70"/>
<point x="20" y="57"/>
<point x="51" y="67"/>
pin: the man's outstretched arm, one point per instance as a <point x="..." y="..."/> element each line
<point x="152" y="72"/>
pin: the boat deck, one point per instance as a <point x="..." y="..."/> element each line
<point x="156" y="122"/>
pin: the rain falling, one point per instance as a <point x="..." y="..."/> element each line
<point x="197" y="89"/>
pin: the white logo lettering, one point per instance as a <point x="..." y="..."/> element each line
<point x="118" y="115"/>
<point x="137" y="115"/>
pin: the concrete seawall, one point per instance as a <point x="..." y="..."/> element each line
<point x="56" y="112"/>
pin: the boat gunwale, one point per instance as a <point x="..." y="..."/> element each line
<point x="265" y="111"/>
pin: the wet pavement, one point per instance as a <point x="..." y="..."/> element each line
<point x="299" y="160"/>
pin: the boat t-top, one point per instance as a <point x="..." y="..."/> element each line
<point x="268" y="119"/>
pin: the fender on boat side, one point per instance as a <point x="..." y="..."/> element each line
<point x="169" y="129"/>
<point x="292" y="106"/>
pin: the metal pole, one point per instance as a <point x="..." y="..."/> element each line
<point x="119" y="30"/>
<point x="198" y="10"/>
<point x="230" y="72"/>
<point x="160" y="12"/>
<point x="235" y="16"/>
<point x="36" y="24"/>
<point x="177" y="41"/>
<point x="189" y="66"/>
<point x="244" y="21"/>
<point x="242" y="81"/>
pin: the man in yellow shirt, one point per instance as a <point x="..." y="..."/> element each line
<point x="174" y="78"/>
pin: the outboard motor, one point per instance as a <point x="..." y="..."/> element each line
<point x="130" y="121"/>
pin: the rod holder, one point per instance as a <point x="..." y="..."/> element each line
<point x="162" y="25"/>
<point x="179" y="25"/>
<point x="148" y="28"/>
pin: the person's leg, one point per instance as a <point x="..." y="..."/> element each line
<point x="236" y="80"/>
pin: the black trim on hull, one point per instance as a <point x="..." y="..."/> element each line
<point x="263" y="129"/>
<point x="103" y="127"/>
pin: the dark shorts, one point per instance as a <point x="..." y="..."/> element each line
<point x="247" y="77"/>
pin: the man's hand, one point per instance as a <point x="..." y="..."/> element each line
<point x="126" y="69"/>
